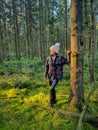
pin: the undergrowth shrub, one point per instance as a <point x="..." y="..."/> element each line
<point x="23" y="66"/>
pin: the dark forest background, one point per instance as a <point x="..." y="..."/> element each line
<point x="29" y="27"/>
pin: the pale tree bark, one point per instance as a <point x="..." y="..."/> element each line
<point x="76" y="64"/>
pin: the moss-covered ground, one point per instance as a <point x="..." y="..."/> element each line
<point x="24" y="98"/>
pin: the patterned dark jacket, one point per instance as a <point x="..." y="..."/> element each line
<point x="54" y="69"/>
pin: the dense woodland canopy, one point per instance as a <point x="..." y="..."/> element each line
<point x="29" y="27"/>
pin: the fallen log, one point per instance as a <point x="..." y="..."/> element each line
<point x="91" y="119"/>
<point x="88" y="118"/>
<point x="82" y="115"/>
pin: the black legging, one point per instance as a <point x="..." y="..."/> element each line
<point x="52" y="90"/>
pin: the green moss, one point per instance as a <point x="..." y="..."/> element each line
<point x="24" y="99"/>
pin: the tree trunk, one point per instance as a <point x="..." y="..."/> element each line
<point x="5" y="39"/>
<point x="76" y="65"/>
<point x="16" y="30"/>
<point x="27" y="30"/>
<point x="30" y="28"/>
<point x="2" y="30"/>
<point x="92" y="42"/>
<point x="46" y="27"/>
<point x="41" y="26"/>
<point x="66" y="25"/>
<point x="86" y="23"/>
<point x="2" y="45"/>
<point x="0" y="42"/>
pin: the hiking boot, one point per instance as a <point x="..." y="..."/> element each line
<point x="51" y="104"/>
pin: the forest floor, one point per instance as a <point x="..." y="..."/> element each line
<point x="24" y="98"/>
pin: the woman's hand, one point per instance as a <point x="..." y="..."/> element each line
<point x="68" y="51"/>
<point x="45" y="79"/>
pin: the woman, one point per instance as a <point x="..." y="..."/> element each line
<point x="54" y="70"/>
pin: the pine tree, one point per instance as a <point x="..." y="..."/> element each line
<point x="76" y="65"/>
